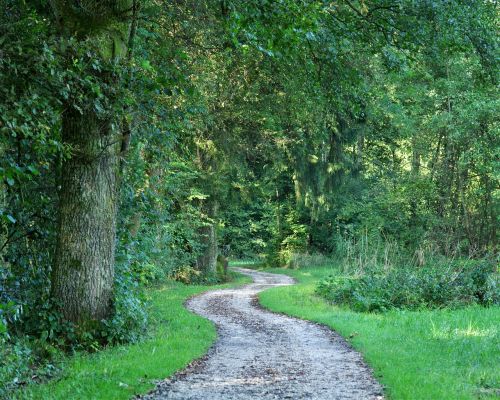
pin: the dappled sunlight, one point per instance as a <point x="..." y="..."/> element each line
<point x="458" y="333"/>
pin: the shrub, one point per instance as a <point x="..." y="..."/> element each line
<point x="23" y="362"/>
<point x="186" y="274"/>
<point x="9" y="312"/>
<point x="130" y="318"/>
<point x="380" y="289"/>
<point x="15" y="360"/>
<point x="222" y="268"/>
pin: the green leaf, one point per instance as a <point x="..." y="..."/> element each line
<point x="146" y="65"/>
<point x="33" y="170"/>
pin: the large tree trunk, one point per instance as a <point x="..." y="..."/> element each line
<point x="82" y="278"/>
<point x="83" y="274"/>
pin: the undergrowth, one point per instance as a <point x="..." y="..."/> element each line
<point x="377" y="275"/>
<point x="432" y="286"/>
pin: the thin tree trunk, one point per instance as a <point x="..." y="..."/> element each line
<point x="358" y="163"/>
<point x="334" y="158"/>
<point x="462" y="176"/>
<point x="4" y="231"/>
<point x="207" y="261"/>
<point x="415" y="172"/>
<point x="415" y="159"/>
<point x="82" y="278"/>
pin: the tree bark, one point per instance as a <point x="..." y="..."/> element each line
<point x="4" y="231"/>
<point x="207" y="261"/>
<point x="358" y="163"/>
<point x="82" y="278"/>
<point x="83" y="273"/>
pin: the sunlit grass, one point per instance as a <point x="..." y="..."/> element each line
<point x="449" y="332"/>
<point x="435" y="354"/>
<point x="244" y="263"/>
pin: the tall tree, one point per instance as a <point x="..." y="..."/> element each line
<point x="82" y="277"/>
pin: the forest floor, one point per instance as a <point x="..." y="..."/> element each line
<point x="262" y="355"/>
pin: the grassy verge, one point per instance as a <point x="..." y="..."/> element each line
<point x="176" y="338"/>
<point x="440" y="354"/>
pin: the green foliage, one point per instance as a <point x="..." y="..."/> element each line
<point x="130" y="317"/>
<point x="14" y="366"/>
<point x="9" y="313"/>
<point x="413" y="288"/>
<point x="186" y="275"/>
<point x="189" y="275"/>
<point x="19" y="361"/>
<point x="399" y="141"/>
<point x="30" y="146"/>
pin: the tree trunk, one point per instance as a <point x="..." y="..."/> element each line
<point x="82" y="278"/>
<point x="358" y="161"/>
<point x="207" y="261"/>
<point x="83" y="273"/>
<point x="415" y="157"/>
<point x="415" y="172"/>
<point x="3" y="203"/>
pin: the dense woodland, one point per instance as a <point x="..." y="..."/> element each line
<point x="148" y="140"/>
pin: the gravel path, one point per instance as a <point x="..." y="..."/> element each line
<point x="262" y="355"/>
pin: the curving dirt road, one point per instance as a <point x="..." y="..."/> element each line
<point x="261" y="355"/>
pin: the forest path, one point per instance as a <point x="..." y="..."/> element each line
<point x="262" y="355"/>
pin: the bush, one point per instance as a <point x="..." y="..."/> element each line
<point x="23" y="362"/>
<point x="186" y="275"/>
<point x="130" y="319"/>
<point x="414" y="288"/>
<point x="192" y="276"/>
<point x="9" y="312"/>
<point x="15" y="360"/>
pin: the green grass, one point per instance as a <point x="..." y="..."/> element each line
<point x="439" y="354"/>
<point x="244" y="263"/>
<point x="176" y="338"/>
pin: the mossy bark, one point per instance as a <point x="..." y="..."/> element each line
<point x="82" y="278"/>
<point x="83" y="273"/>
